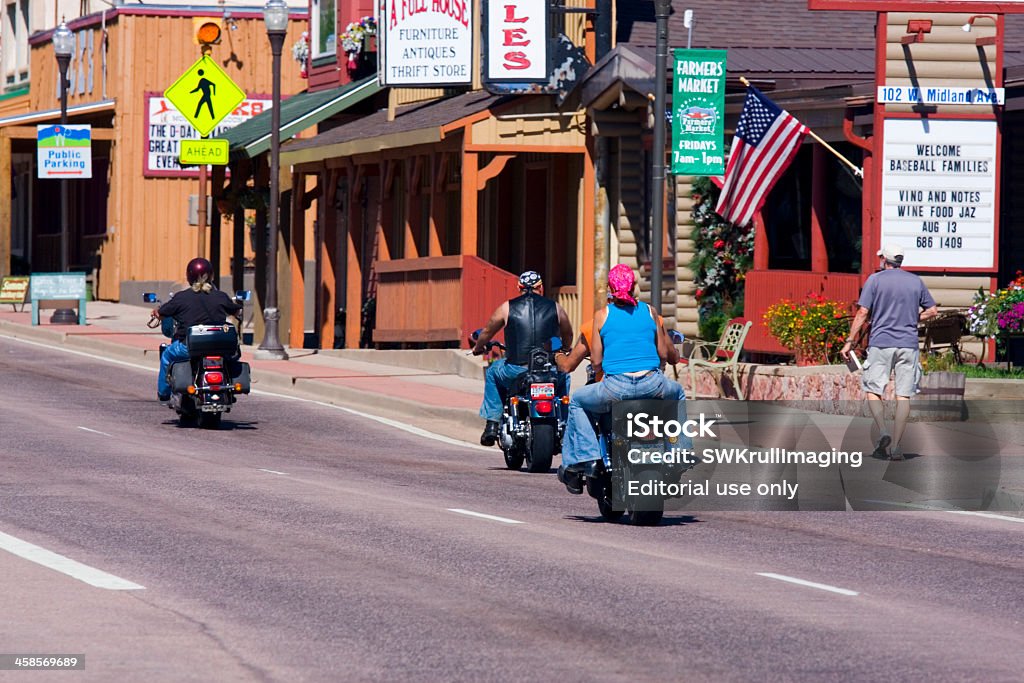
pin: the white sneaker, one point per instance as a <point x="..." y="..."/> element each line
<point x="896" y="453"/>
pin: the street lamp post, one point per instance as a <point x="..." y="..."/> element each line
<point x="275" y="16"/>
<point x="662" y="8"/>
<point x="63" y="46"/>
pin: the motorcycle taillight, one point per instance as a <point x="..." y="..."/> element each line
<point x="213" y="362"/>
<point x="542" y="407"/>
<point x="214" y="377"/>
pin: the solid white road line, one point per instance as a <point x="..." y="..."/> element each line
<point x="988" y="515"/>
<point x="504" y="520"/>
<point x="383" y="420"/>
<point x="93" y="431"/>
<point x="808" y="584"/>
<point x="270" y="471"/>
<point x="65" y="565"/>
<point x="376" y="418"/>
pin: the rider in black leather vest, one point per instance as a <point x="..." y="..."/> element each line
<point x="532" y="322"/>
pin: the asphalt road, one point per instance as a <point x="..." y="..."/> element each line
<point x="304" y="543"/>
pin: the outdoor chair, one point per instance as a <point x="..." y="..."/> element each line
<point x="721" y="357"/>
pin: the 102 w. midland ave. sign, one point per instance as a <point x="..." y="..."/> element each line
<point x="938" y="192"/>
<point x="425" y="43"/>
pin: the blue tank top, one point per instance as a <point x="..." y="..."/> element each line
<point x="628" y="338"/>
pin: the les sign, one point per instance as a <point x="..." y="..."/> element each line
<point x="516" y="41"/>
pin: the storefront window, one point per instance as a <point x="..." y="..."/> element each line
<point x="787" y="216"/>
<point x="843" y="213"/>
<point x="324" y="31"/>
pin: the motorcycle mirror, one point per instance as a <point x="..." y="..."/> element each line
<point x="243" y="295"/>
<point x="675" y="336"/>
<point x="149" y="297"/>
<point x="476" y="334"/>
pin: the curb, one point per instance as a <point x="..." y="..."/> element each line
<point x="1006" y="501"/>
<point x="378" y="404"/>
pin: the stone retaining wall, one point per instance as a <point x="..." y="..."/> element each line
<point x="829" y="388"/>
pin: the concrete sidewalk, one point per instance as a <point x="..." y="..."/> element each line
<point x="403" y="388"/>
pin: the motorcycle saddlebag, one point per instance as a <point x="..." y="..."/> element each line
<point x="180" y="376"/>
<point x="212" y="340"/>
<point x="243" y="377"/>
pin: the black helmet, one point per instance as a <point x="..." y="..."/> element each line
<point x="197" y="268"/>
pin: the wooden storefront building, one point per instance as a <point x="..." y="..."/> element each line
<point x="129" y="225"/>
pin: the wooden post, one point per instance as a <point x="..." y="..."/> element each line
<point x="260" y="180"/>
<point x="354" y="251"/>
<point x="328" y="251"/>
<point x="297" y="263"/>
<point x="5" y="204"/>
<point x="760" y="243"/>
<point x="470" y="196"/>
<point x="413" y="219"/>
<point x="819" y="210"/>
<point x="585" y="269"/>
<point x="216" y="192"/>
<point x="438" y="205"/>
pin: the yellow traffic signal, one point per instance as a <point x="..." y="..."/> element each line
<point x="208" y="33"/>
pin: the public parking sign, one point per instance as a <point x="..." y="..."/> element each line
<point x="64" y="151"/>
<point x="204" y="95"/>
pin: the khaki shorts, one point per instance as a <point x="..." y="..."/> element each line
<point x="881" y="363"/>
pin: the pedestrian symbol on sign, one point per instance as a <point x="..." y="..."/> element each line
<point x="204" y="95"/>
<point x="209" y="89"/>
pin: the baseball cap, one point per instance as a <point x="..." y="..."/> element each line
<point x="891" y="252"/>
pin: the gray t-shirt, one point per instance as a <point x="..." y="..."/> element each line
<point x="895" y="299"/>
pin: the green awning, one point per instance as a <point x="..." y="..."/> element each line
<point x="252" y="138"/>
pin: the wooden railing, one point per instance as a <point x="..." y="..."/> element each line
<point x="569" y="299"/>
<point x="437" y="299"/>
<point x="766" y="287"/>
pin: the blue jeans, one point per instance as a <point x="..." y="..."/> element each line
<point x="175" y="352"/>
<point x="501" y="377"/>
<point x="580" y="441"/>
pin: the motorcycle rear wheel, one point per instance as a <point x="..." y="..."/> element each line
<point x="514" y="458"/>
<point x="187" y="414"/>
<point x="210" y="420"/>
<point x="645" y="517"/>
<point x="542" y="448"/>
<point x="599" y="489"/>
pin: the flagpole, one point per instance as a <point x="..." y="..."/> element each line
<point x="856" y="169"/>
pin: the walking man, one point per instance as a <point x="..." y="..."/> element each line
<point x="209" y="89"/>
<point x="895" y="301"/>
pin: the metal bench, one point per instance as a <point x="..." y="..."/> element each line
<point x="721" y="357"/>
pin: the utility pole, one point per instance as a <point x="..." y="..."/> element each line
<point x="602" y="209"/>
<point x="661" y="12"/>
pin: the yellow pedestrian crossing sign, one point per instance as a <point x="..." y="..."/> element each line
<point x="204" y="95"/>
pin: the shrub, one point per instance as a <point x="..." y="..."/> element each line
<point x="814" y="328"/>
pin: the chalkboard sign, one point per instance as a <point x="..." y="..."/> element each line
<point x="57" y="287"/>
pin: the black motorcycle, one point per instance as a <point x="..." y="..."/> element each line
<point x="534" y="413"/>
<point x="205" y="386"/>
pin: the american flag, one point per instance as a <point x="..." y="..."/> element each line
<point x="767" y="138"/>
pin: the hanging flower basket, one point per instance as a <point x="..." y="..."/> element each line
<point x="355" y="38"/>
<point x="300" y="53"/>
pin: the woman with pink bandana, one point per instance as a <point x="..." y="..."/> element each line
<point x="630" y="347"/>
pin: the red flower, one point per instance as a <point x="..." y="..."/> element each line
<point x="719" y="244"/>
<point x="699" y="293"/>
